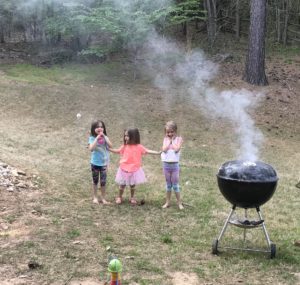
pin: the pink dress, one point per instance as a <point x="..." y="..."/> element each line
<point x="130" y="171"/>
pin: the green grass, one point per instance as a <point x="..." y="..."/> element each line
<point x="58" y="226"/>
<point x="285" y="51"/>
<point x="60" y="74"/>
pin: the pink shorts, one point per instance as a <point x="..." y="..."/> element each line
<point x="130" y="178"/>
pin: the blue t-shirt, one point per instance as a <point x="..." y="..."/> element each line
<point x="100" y="155"/>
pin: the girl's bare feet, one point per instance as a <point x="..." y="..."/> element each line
<point x="119" y="200"/>
<point x="180" y="206"/>
<point x="166" y="205"/>
<point x="104" y="202"/>
<point x="95" y="200"/>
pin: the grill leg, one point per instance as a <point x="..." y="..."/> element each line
<point x="264" y="228"/>
<point x="246" y="216"/>
<point x="226" y="223"/>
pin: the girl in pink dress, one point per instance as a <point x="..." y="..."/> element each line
<point x="130" y="172"/>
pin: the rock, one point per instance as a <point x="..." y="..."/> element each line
<point x="10" y="189"/>
<point x="12" y="179"/>
<point x="34" y="265"/>
<point x="297" y="243"/>
<point x="20" y="172"/>
<point x="22" y="184"/>
<point x="4" y="226"/>
<point x="2" y="164"/>
<point x="78" y="242"/>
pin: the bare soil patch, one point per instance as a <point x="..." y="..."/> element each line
<point x="279" y="112"/>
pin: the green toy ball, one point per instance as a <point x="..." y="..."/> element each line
<point x="115" y="266"/>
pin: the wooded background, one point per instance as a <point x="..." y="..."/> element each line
<point x="96" y="28"/>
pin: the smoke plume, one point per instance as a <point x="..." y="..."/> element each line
<point x="191" y="72"/>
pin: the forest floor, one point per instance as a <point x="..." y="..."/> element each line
<point x="50" y="233"/>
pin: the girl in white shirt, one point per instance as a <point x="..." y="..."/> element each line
<point x="170" y="157"/>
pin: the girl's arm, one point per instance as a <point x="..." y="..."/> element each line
<point x="93" y="145"/>
<point x="114" y="150"/>
<point x="108" y="141"/>
<point x="178" y="145"/>
<point x="152" y="151"/>
<point x="166" y="144"/>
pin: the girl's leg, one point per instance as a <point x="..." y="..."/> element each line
<point x="95" y="198"/>
<point x="177" y="194"/>
<point x="132" y="191"/>
<point x="168" y="199"/>
<point x="95" y="177"/>
<point x="103" y="193"/>
<point x="121" y="192"/>
<point x="103" y="174"/>
<point x="167" y="174"/>
<point x="132" y="198"/>
<point x="176" y="188"/>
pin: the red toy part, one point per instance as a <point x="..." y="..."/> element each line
<point x="115" y="278"/>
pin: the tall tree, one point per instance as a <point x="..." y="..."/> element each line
<point x="237" y="19"/>
<point x="211" y="8"/>
<point x="286" y="21"/>
<point x="255" y="62"/>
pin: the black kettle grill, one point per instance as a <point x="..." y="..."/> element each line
<point x="246" y="184"/>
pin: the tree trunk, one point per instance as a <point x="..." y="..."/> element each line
<point x="286" y="19"/>
<point x="278" y="26"/>
<point x="255" y="61"/>
<point x="210" y="6"/>
<point x="2" y="32"/>
<point x="237" y="19"/>
<point x="188" y="37"/>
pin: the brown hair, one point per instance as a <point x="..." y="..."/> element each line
<point x="134" y="136"/>
<point x="95" y="125"/>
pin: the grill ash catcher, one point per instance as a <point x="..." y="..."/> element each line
<point x="246" y="185"/>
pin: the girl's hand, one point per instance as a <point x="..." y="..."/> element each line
<point x="167" y="144"/>
<point x="107" y="141"/>
<point x="169" y="140"/>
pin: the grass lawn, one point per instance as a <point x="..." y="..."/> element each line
<point x="58" y="227"/>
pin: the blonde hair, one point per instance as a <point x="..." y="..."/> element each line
<point x="171" y="125"/>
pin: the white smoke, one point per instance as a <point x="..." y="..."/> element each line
<point x="33" y="5"/>
<point x="191" y="72"/>
<point x="151" y="4"/>
<point x="234" y="106"/>
<point x="171" y="65"/>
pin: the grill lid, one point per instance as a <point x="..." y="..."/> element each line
<point x="247" y="171"/>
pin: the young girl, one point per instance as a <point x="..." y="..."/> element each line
<point x="98" y="145"/>
<point x="170" y="157"/>
<point x="130" y="172"/>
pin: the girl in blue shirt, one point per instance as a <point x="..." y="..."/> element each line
<point x="98" y="145"/>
